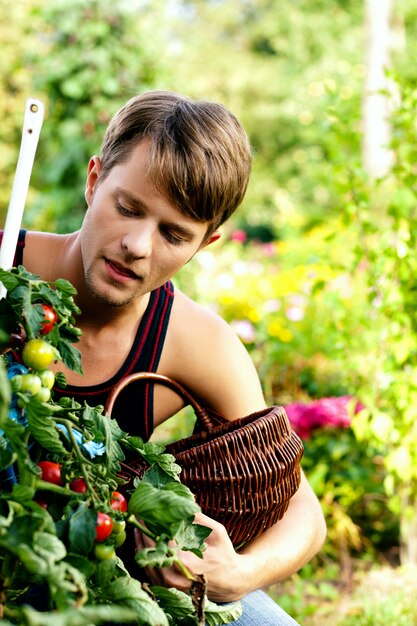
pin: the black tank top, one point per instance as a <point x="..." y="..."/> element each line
<point x="134" y="408"/>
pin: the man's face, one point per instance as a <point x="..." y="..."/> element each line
<point x="133" y="238"/>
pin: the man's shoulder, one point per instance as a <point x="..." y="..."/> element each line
<point x="192" y="315"/>
<point x="204" y="354"/>
<point x="197" y="333"/>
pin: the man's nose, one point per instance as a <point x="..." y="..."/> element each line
<point x="138" y="242"/>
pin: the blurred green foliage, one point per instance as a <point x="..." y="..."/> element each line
<point x="316" y="273"/>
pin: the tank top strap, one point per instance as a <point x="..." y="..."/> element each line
<point x="18" y="257"/>
<point x="134" y="408"/>
<point x="148" y="355"/>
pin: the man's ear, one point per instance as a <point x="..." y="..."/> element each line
<point x="93" y="174"/>
<point x="213" y="237"/>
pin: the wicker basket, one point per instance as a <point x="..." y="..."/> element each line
<point x="242" y="472"/>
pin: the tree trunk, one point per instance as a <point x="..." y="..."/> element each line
<point x="376" y="128"/>
<point x="408" y="531"/>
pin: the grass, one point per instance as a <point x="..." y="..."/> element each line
<point x="379" y="596"/>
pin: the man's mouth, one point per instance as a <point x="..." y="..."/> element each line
<point x="121" y="270"/>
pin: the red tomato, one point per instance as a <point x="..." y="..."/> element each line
<point x="51" y="472"/>
<point x="49" y="320"/>
<point x="104" y="527"/>
<point x="118" y="501"/>
<point x="44" y="505"/>
<point x="78" y="485"/>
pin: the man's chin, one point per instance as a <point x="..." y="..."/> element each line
<point x="109" y="299"/>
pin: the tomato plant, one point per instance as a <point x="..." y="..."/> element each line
<point x="118" y="502"/>
<point x="42" y="526"/>
<point x="51" y="472"/>
<point x="38" y="354"/>
<point x="104" y="526"/>
<point x="49" y="320"/>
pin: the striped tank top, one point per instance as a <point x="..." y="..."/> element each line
<point x="134" y="408"/>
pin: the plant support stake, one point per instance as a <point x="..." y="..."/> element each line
<point x="32" y="125"/>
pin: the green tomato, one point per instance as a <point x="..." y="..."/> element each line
<point x="31" y="383"/>
<point x="44" y="394"/>
<point x="104" y="552"/>
<point x="16" y="382"/>
<point x="48" y="378"/>
<point x="38" y="354"/>
<point x="119" y="538"/>
<point x="119" y="525"/>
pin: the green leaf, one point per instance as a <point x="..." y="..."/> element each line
<point x="5" y="395"/>
<point x="60" y="380"/>
<point x="70" y="356"/>
<point x="153" y="454"/>
<point x="82" y="563"/>
<point x="108" y="431"/>
<point x="7" y="457"/>
<point x="128" y="592"/>
<point x="192" y="537"/>
<point x="9" y="280"/>
<point x="222" y="613"/>
<point x="156" y="556"/>
<point x="42" y="426"/>
<point x="163" y="511"/>
<point x="65" y="286"/>
<point x="22" y="494"/>
<point x="173" y="601"/>
<point x="81" y="616"/>
<point x="34" y="316"/>
<point x="82" y="529"/>
<point x="49" y="547"/>
<point x="14" y="433"/>
<point x="8" y="320"/>
<point x="107" y="572"/>
<point x="157" y="477"/>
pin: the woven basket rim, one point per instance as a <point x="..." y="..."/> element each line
<point x="225" y="433"/>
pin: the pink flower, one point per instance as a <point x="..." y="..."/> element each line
<point x="322" y="413"/>
<point x="239" y="235"/>
<point x="268" y="249"/>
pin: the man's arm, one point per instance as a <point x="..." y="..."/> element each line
<point x="273" y="556"/>
<point x="214" y="365"/>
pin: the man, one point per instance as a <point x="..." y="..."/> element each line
<point x="171" y="171"/>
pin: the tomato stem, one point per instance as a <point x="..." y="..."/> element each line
<point x="133" y="520"/>
<point x="81" y="459"/>
<point x="43" y="485"/>
<point x="184" y="570"/>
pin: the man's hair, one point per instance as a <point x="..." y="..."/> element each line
<point x="199" y="154"/>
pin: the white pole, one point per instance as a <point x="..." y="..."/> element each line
<point x="32" y="125"/>
<point x="377" y="155"/>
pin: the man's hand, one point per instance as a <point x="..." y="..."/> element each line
<point x="226" y="571"/>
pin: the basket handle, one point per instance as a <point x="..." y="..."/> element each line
<point x="202" y="414"/>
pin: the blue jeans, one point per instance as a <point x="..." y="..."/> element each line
<point x="260" y="610"/>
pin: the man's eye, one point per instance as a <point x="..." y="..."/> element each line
<point x="124" y="210"/>
<point x="176" y="240"/>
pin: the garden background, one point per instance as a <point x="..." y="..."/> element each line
<point x="316" y="273"/>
